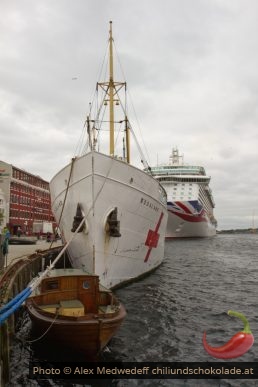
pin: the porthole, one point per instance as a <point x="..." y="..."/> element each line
<point x="86" y="285"/>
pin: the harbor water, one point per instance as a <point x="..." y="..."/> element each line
<point x="168" y="311"/>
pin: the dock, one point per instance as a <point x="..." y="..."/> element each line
<point x="23" y="264"/>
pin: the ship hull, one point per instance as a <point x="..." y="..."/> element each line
<point x="183" y="223"/>
<point x="99" y="184"/>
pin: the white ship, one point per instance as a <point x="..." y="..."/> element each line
<point x="190" y="202"/>
<point x="121" y="209"/>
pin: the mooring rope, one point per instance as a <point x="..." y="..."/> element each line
<point x="43" y="334"/>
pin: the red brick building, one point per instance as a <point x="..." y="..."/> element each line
<point x="26" y="204"/>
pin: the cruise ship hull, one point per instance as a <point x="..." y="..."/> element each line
<point x="100" y="184"/>
<point x="185" y="222"/>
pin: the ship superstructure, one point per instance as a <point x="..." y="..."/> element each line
<point x="190" y="202"/>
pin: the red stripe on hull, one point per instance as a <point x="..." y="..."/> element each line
<point x="190" y="218"/>
<point x="185" y="208"/>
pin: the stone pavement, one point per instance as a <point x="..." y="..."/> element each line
<point x="18" y="251"/>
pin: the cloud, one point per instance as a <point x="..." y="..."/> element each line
<point x="191" y="69"/>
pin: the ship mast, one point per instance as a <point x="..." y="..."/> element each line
<point x="111" y="93"/>
<point x="111" y="89"/>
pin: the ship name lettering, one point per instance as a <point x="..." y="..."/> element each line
<point x="147" y="203"/>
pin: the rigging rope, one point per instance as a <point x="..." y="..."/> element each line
<point x="80" y="150"/>
<point x="134" y="111"/>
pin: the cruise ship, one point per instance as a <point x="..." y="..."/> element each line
<point x="190" y="202"/>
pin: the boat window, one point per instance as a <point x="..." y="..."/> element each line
<point x="86" y="285"/>
<point x="52" y="285"/>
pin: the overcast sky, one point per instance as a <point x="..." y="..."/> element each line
<point x="191" y="69"/>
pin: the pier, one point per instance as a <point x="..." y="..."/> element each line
<point x="23" y="263"/>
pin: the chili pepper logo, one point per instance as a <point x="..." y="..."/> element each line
<point x="237" y="346"/>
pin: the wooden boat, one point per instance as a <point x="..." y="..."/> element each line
<point x="72" y="310"/>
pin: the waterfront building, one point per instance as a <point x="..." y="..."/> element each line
<point x="25" y="205"/>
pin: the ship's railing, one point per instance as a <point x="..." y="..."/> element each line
<point x="187" y="179"/>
